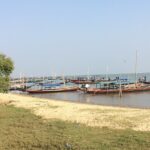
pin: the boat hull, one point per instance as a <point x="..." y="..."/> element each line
<point x="52" y="90"/>
<point x="109" y="91"/>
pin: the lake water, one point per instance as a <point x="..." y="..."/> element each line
<point x="136" y="100"/>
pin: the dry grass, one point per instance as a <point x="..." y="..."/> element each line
<point x="22" y="130"/>
<point x="90" y="115"/>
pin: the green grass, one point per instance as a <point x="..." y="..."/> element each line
<point x="20" y="129"/>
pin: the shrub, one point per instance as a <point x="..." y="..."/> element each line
<point x="6" y="68"/>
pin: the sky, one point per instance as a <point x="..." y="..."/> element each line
<point x="71" y="37"/>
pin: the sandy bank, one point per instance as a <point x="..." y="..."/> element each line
<point x="91" y="115"/>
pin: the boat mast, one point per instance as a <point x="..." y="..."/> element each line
<point x="120" y="89"/>
<point x="21" y="81"/>
<point x="63" y="77"/>
<point x="107" y="77"/>
<point x="136" y="68"/>
<point x="88" y="74"/>
<point x="43" y="82"/>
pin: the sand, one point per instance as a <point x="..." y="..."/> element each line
<point x="90" y="115"/>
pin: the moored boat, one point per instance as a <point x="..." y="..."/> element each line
<point x="124" y="89"/>
<point x="52" y="90"/>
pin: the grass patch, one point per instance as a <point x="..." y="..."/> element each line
<point x="20" y="129"/>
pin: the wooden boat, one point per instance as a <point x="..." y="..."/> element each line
<point x="124" y="89"/>
<point x="52" y="90"/>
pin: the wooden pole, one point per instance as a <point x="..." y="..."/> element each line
<point x="120" y="90"/>
<point x="136" y="68"/>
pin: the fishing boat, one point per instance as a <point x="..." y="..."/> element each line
<point x="52" y="90"/>
<point x="121" y="87"/>
<point x="139" y="87"/>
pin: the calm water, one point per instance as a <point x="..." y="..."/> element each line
<point x="138" y="100"/>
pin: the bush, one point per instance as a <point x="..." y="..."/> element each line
<point x="6" y="68"/>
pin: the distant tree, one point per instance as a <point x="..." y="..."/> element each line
<point x="6" y="68"/>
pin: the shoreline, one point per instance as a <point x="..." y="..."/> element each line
<point x="94" y="104"/>
<point x="79" y="102"/>
<point x="88" y="114"/>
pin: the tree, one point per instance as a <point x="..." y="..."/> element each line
<point x="6" y="68"/>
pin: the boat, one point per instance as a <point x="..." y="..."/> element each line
<point x="52" y="90"/>
<point x="139" y="87"/>
<point x="120" y="87"/>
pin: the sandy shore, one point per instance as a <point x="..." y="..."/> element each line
<point x="91" y="115"/>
